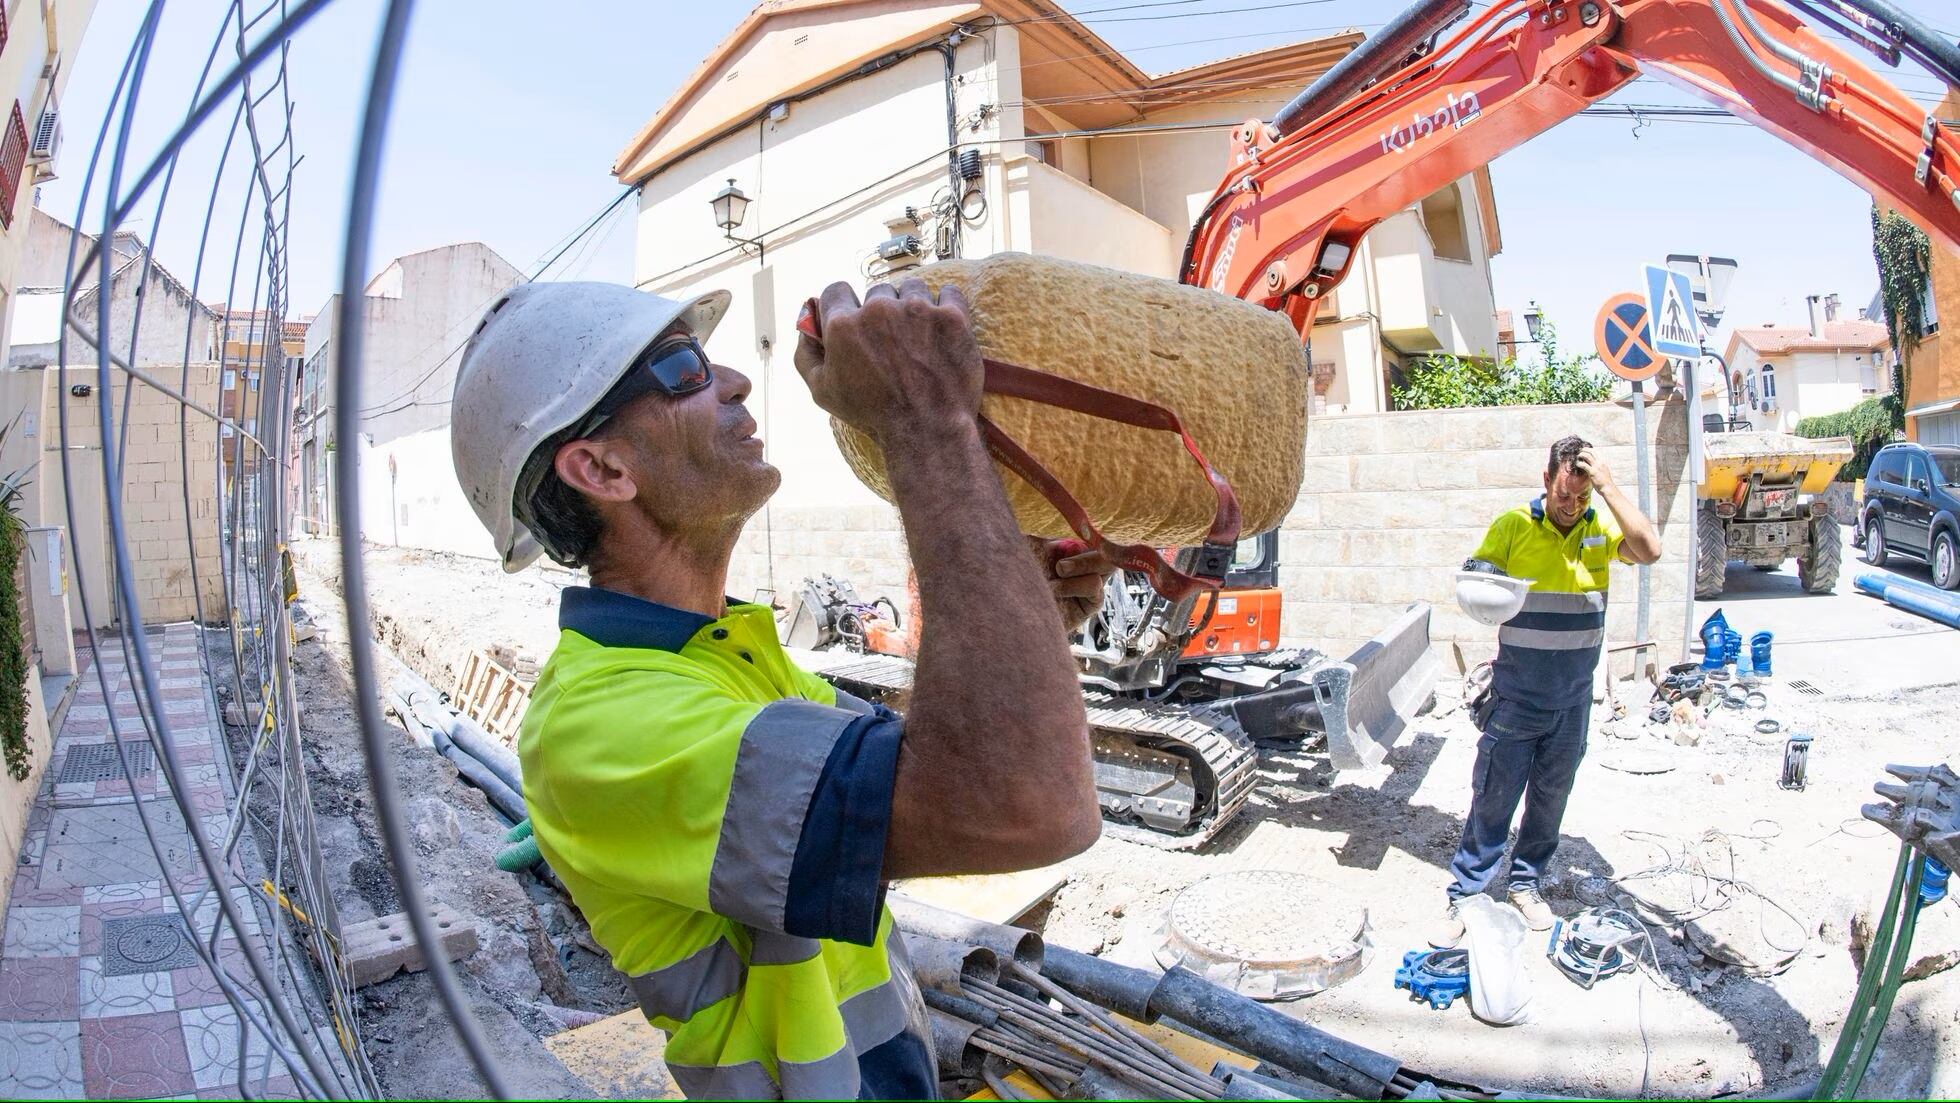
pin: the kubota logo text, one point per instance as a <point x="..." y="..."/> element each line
<point x="1455" y="114"/>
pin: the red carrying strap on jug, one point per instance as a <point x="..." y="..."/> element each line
<point x="1014" y="381"/>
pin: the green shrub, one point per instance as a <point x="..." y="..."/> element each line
<point x="1449" y="382"/>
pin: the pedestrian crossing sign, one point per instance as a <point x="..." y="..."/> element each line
<point x="1671" y="313"/>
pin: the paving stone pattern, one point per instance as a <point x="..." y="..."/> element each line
<point x="101" y="994"/>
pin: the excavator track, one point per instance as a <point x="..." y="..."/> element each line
<point x="1168" y="776"/>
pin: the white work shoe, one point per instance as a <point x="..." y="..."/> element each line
<point x="1537" y="914"/>
<point x="1448" y="931"/>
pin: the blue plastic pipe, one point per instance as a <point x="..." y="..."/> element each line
<point x="1914" y="597"/>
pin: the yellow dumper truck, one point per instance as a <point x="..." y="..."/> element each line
<point x="1762" y="502"/>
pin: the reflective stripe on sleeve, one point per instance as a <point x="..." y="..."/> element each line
<point x="700" y="980"/>
<point x="781" y="757"/>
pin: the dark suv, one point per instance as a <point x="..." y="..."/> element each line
<point x="1912" y="500"/>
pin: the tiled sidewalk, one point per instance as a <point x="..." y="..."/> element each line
<point x="101" y="993"/>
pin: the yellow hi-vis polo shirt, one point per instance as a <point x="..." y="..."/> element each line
<point x="720" y="816"/>
<point x="1547" y="652"/>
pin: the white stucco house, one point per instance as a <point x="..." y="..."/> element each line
<point x="1780" y="375"/>
<point x="870" y="135"/>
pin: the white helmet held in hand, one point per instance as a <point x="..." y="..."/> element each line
<point x="541" y="358"/>
<point x="1488" y="594"/>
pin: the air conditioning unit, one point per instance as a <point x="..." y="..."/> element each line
<point x="46" y="143"/>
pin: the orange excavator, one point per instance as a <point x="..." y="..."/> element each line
<point x="1177" y="690"/>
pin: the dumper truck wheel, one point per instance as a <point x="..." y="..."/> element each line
<point x="1711" y="556"/>
<point x="1946" y="561"/>
<point x="1818" y="571"/>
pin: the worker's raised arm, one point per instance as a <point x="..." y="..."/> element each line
<point x="1642" y="544"/>
<point x="994" y="771"/>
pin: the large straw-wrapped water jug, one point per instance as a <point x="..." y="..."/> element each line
<point x="1233" y="372"/>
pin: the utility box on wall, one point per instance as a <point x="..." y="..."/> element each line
<point x="45" y="594"/>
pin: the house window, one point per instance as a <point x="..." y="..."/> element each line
<point x="1442" y="215"/>
<point x="1868" y="373"/>
<point x="252" y="380"/>
<point x="13" y="158"/>
<point x="231" y="380"/>
<point x="1929" y="312"/>
<point x="1769" y="386"/>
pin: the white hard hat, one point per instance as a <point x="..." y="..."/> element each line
<point x="541" y="358"/>
<point x="1490" y="598"/>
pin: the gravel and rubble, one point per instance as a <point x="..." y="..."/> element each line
<point x="1708" y="849"/>
<point x="536" y="971"/>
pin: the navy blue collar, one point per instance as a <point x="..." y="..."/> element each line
<point x="1538" y="510"/>
<point x="612" y="619"/>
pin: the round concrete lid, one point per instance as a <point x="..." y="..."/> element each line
<point x="1266" y="934"/>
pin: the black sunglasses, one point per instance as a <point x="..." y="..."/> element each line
<point x="674" y="365"/>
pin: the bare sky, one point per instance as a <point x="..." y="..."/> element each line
<point x="506" y="124"/>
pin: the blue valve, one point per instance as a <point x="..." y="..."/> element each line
<point x="1932" y="883"/>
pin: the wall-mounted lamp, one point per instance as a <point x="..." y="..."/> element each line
<point x="731" y="207"/>
<point x="1534" y="319"/>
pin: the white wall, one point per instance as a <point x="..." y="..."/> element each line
<point x="1064" y="217"/>
<point x="889" y="127"/>
<point x="1812" y="384"/>
<point x="31" y="45"/>
<point x="410" y="497"/>
<point x="418" y="313"/>
<point x="170" y="318"/>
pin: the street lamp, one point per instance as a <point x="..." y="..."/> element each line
<point x="1534" y="320"/>
<point x="731" y="207"/>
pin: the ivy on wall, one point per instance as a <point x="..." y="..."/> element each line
<point x="1869" y="424"/>
<point x="15" y="667"/>
<point x="1905" y="266"/>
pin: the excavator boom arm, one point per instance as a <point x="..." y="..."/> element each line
<point x="1283" y="226"/>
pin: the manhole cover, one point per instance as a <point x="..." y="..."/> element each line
<point x="98" y="762"/>
<point x="1266" y="934"/>
<point x="145" y="944"/>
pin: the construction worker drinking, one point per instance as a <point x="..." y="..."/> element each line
<point x="727" y="822"/>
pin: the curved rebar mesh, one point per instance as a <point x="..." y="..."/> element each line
<point x="253" y="892"/>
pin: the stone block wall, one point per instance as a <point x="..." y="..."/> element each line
<point x="1393" y="503"/>
<point x="785" y="544"/>
<point x="153" y="487"/>
<point x="1390" y="506"/>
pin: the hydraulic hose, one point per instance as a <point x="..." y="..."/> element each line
<point x="1382" y="53"/>
<point x="1748" y="52"/>
<point x="1929" y="49"/>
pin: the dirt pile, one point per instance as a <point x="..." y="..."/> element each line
<point x="536" y="971"/>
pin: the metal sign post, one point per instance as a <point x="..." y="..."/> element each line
<point x="1623" y="335"/>
<point x="1646" y="490"/>
<point x="1695" y="475"/>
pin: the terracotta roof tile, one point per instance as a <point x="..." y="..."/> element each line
<point x="1770" y="340"/>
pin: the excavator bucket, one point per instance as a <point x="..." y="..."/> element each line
<point x="1362" y="703"/>
<point x="1389" y="679"/>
